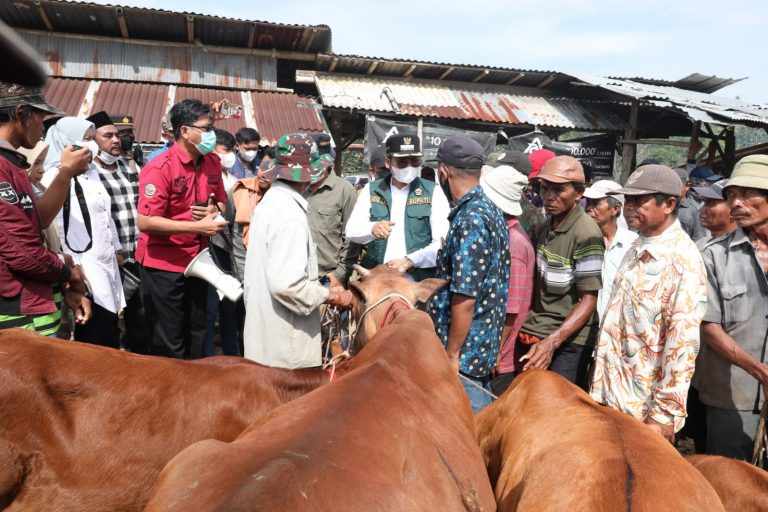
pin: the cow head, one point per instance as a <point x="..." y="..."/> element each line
<point x="380" y="294"/>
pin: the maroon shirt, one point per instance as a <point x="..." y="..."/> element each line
<point x="168" y="187"/>
<point x="28" y="270"/>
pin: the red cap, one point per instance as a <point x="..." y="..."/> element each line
<point x="538" y="158"/>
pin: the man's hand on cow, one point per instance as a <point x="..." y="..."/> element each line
<point x="74" y="162"/>
<point x="80" y="305"/>
<point x="209" y="225"/>
<point x="382" y="229"/>
<point x="340" y="298"/>
<point x="400" y="264"/>
<point x="665" y="431"/>
<point x="540" y="355"/>
<point x="201" y="212"/>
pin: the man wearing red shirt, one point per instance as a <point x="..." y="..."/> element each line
<point x="180" y="195"/>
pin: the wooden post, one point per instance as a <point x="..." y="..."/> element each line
<point x="629" y="151"/>
<point x="730" y="150"/>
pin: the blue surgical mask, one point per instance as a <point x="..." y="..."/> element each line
<point x="207" y="143"/>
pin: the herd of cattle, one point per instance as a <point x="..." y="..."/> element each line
<point x="86" y="428"/>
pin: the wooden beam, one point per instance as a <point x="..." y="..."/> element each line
<point x="409" y="71"/>
<point x="252" y="36"/>
<point x="730" y="149"/>
<point x="656" y="142"/>
<point x="334" y="63"/>
<point x="372" y="67"/>
<point x="484" y="73"/>
<point x="515" y="79"/>
<point x="547" y="81"/>
<point x="43" y="15"/>
<point x="190" y="29"/>
<point x="121" y="23"/>
<point x="629" y="151"/>
<point x="446" y="73"/>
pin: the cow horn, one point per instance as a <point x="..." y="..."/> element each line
<point x="364" y="272"/>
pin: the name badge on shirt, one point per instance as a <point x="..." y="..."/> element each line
<point x="179" y="185"/>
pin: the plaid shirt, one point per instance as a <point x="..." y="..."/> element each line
<point x="122" y="185"/>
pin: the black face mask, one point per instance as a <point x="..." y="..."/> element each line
<point x="126" y="142"/>
<point x="444" y="185"/>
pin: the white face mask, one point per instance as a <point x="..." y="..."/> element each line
<point x="107" y="158"/>
<point x="249" y="155"/>
<point x="227" y="160"/>
<point x="406" y="174"/>
<point x="90" y="145"/>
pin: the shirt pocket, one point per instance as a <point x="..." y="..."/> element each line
<point x="328" y="220"/>
<point x="736" y="305"/>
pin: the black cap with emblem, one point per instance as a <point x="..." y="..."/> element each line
<point x="403" y="145"/>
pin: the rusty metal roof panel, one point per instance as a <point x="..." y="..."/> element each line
<point x="147" y="104"/>
<point x="66" y="95"/>
<point x="488" y="103"/>
<point x="279" y="113"/>
<point x="162" y="25"/>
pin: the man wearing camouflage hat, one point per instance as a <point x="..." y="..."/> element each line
<point x="282" y="286"/>
<point x="732" y="366"/>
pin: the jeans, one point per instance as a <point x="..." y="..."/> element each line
<point x="478" y="391"/>
<point x="226" y="311"/>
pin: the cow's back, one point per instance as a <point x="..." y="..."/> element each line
<point x="549" y="447"/>
<point x="394" y="433"/>
<point x="742" y="487"/>
<point x="89" y="428"/>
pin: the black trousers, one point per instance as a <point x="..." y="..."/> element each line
<point x="101" y="329"/>
<point x="175" y="308"/>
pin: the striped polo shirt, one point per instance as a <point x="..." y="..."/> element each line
<point x="569" y="260"/>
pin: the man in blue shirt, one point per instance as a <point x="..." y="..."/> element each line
<point x="247" y="163"/>
<point x="469" y="314"/>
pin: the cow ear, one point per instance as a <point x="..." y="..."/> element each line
<point x="428" y="287"/>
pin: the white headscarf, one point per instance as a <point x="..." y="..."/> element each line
<point x="66" y="131"/>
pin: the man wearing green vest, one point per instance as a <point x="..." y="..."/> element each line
<point x="401" y="218"/>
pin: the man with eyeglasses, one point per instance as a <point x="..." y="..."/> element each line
<point x="401" y="218"/>
<point x="649" y="336"/>
<point x="181" y="193"/>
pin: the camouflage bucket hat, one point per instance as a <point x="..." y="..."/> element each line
<point x="293" y="156"/>
<point x="319" y="164"/>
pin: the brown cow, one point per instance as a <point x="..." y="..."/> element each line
<point x="742" y="487"/>
<point x="549" y="447"/>
<point x="395" y="432"/>
<point x="87" y="428"/>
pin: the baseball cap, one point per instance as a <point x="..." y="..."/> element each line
<point x="652" y="179"/>
<point x="702" y="172"/>
<point x="461" y="152"/>
<point x="294" y="153"/>
<point x="504" y="186"/>
<point x="603" y="188"/>
<point x="404" y="145"/>
<point x="713" y="191"/>
<point x="751" y="171"/>
<point x="562" y="169"/>
<point x="13" y="95"/>
<point x="537" y="159"/>
<point x="512" y="158"/>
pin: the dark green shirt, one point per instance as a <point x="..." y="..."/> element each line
<point x="329" y="209"/>
<point x="569" y="261"/>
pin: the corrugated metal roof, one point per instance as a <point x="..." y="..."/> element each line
<point x="275" y="113"/>
<point x="145" y="102"/>
<point x="163" y="25"/>
<point x="278" y="113"/>
<point x="693" y="82"/>
<point x="67" y="95"/>
<point x="494" y="104"/>
<point x="698" y="106"/>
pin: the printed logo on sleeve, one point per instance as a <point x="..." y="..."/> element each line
<point x="7" y="193"/>
<point x="149" y="190"/>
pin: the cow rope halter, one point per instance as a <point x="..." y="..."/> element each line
<point x="354" y="330"/>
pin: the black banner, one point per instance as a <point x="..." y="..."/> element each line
<point x="378" y="130"/>
<point x="594" y="152"/>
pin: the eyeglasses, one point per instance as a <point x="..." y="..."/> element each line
<point x="206" y="128"/>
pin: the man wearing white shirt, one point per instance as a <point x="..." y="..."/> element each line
<point x="605" y="210"/>
<point x="401" y="218"/>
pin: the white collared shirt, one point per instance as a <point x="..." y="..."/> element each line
<point x="359" y="226"/>
<point x="614" y="254"/>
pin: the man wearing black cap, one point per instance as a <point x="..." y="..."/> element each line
<point x="122" y="184"/>
<point x="469" y="315"/>
<point x="32" y="278"/>
<point x="401" y="218"/>
<point x="131" y="153"/>
<point x="714" y="214"/>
